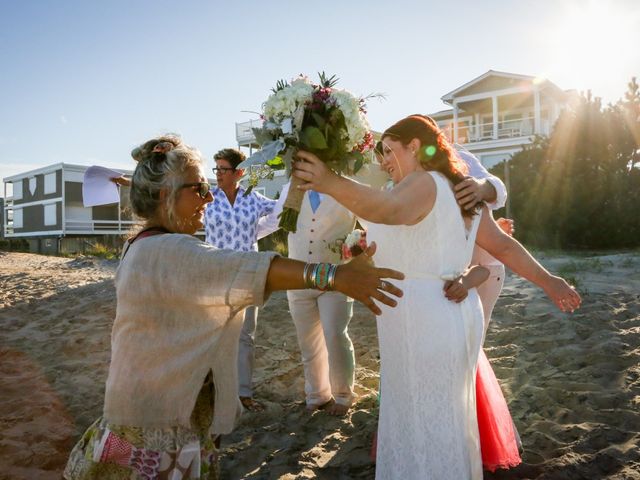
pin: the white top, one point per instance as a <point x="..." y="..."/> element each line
<point x="477" y="170"/>
<point x="178" y="316"/>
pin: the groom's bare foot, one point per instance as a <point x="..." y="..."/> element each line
<point x="338" y="410"/>
<point x="314" y="407"/>
<point x="252" y="405"/>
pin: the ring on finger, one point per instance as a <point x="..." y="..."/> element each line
<point x="383" y="285"/>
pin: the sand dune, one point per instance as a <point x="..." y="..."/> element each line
<point x="572" y="381"/>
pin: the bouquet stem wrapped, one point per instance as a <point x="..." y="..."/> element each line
<point x="292" y="205"/>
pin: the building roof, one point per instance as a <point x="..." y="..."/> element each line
<point x="512" y="77"/>
<point x="55" y="167"/>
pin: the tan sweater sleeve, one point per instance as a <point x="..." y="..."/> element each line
<point x="182" y="269"/>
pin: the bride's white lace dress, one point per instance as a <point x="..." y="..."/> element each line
<point x="429" y="349"/>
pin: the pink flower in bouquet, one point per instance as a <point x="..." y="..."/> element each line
<point x="367" y="143"/>
<point x="346" y="252"/>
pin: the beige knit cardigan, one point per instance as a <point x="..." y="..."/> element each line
<point x="179" y="315"/>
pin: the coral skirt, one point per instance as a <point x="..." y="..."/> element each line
<point x="498" y="438"/>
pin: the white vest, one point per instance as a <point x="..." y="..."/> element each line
<point x="318" y="231"/>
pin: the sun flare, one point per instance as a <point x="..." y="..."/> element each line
<point x="593" y="40"/>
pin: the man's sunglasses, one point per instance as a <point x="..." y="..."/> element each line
<point x="223" y="169"/>
<point x="203" y="188"/>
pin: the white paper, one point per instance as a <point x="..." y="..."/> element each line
<point x="98" y="188"/>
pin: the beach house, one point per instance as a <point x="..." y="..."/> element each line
<point x="45" y="207"/>
<point x="496" y="114"/>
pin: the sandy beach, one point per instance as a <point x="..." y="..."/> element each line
<point x="572" y="381"/>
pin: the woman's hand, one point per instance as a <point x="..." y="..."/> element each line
<point x="455" y="290"/>
<point x="563" y="295"/>
<point x="314" y="172"/>
<point x="122" y="181"/>
<point x="506" y="225"/>
<point x="362" y="281"/>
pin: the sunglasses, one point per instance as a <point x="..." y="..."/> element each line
<point x="203" y="188"/>
<point x="223" y="169"/>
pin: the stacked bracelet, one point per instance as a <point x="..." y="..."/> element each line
<point x="320" y="275"/>
<point x="308" y="274"/>
<point x="331" y="282"/>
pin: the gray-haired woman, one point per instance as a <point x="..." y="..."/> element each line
<point x="172" y="384"/>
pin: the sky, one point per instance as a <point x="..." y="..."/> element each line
<point x="83" y="82"/>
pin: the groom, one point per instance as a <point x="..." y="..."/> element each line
<point x="321" y="318"/>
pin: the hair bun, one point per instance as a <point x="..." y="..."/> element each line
<point x="163" y="147"/>
<point x="137" y="154"/>
<point x="162" y="144"/>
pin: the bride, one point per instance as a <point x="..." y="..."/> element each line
<point x="428" y="346"/>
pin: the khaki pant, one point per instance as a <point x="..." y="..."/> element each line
<point x="489" y="291"/>
<point x="321" y="320"/>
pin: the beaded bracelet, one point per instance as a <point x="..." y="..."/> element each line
<point x="322" y="276"/>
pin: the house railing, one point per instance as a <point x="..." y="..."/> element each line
<point x="98" y="226"/>
<point x="106" y="227"/>
<point x="244" y="132"/>
<point x="520" y="127"/>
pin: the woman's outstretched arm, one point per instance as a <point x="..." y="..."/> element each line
<point x="358" y="279"/>
<point x="410" y="201"/>
<point x="510" y="252"/>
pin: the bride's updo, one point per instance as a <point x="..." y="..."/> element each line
<point x="163" y="163"/>
<point x="435" y="152"/>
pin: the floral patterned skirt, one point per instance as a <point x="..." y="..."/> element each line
<point x="109" y="451"/>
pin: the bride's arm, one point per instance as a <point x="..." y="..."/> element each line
<point x="406" y="204"/>
<point x="510" y="252"/>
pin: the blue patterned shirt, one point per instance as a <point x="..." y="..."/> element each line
<point x="234" y="227"/>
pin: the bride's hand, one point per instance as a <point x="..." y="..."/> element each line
<point x="363" y="281"/>
<point x="563" y="295"/>
<point x="314" y="172"/>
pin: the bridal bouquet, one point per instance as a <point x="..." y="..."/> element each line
<point x="354" y="244"/>
<point x="318" y="118"/>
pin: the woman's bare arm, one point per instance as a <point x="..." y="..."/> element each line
<point x="409" y="202"/>
<point x="358" y="279"/>
<point x="510" y="252"/>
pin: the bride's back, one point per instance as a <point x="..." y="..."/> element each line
<point x="437" y="246"/>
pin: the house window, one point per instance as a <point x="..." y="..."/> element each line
<point x="17" y="190"/>
<point x="17" y="218"/>
<point x="32" y="186"/>
<point x="50" y="214"/>
<point x="50" y="183"/>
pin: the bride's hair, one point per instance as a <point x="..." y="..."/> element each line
<point x="435" y="152"/>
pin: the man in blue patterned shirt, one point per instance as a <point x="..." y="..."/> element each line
<point x="231" y="222"/>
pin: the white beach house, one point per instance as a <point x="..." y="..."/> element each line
<point x="496" y="114"/>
